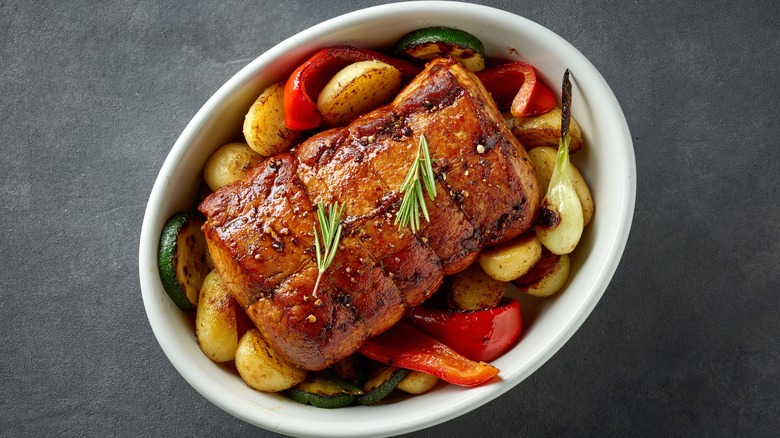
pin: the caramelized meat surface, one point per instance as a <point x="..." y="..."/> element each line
<point x="260" y="230"/>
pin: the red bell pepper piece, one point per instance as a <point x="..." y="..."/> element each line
<point x="404" y="346"/>
<point x="481" y="335"/>
<point x="514" y="86"/>
<point x="306" y="82"/>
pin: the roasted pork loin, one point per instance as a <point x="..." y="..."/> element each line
<point x="260" y="230"/>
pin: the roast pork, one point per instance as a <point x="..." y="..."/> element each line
<point x="260" y="230"/>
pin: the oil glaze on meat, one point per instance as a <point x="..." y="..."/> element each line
<point x="260" y="229"/>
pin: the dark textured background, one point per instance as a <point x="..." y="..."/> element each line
<point x="683" y="343"/>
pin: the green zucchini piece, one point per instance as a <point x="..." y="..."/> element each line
<point x="442" y="42"/>
<point x="320" y="392"/>
<point x="342" y="384"/>
<point x="381" y="383"/>
<point x="182" y="258"/>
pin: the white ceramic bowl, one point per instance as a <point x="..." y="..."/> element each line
<point x="608" y="164"/>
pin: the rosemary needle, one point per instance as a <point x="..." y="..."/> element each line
<point x="330" y="227"/>
<point x="413" y="203"/>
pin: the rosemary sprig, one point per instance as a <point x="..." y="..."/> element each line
<point x="330" y="227"/>
<point x="421" y="173"/>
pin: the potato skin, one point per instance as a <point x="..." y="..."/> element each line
<point x="418" y="382"/>
<point x="264" y="128"/>
<point x="547" y="276"/>
<point x="216" y="326"/>
<point x="262" y="368"/>
<point x="544" y="130"/>
<point x="357" y="89"/>
<point x="544" y="162"/>
<point x="228" y="164"/>
<point x="473" y="289"/>
<point x="508" y="261"/>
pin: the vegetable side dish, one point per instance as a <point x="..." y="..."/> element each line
<point x="362" y="240"/>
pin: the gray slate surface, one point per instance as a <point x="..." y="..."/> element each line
<point x="683" y="343"/>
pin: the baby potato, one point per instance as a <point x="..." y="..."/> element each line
<point x="544" y="130"/>
<point x="473" y="289"/>
<point x="357" y="89"/>
<point x="264" y="128"/>
<point x="216" y="325"/>
<point x="508" y="261"/>
<point x="229" y="163"/>
<point x="418" y="382"/>
<point x="262" y="368"/>
<point x="544" y="162"/>
<point x="547" y="276"/>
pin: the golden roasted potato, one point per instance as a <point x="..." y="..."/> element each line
<point x="229" y="163"/>
<point x="418" y="382"/>
<point x="544" y="130"/>
<point x="216" y="323"/>
<point x="473" y="289"/>
<point x="264" y="128"/>
<point x="357" y="89"/>
<point x="544" y="162"/>
<point x="512" y="259"/>
<point x="262" y="368"/>
<point x="547" y="276"/>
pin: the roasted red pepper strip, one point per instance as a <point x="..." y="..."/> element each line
<point x="514" y="86"/>
<point x="404" y="346"/>
<point x="304" y="85"/>
<point x="481" y="335"/>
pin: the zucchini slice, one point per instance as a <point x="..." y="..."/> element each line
<point x="381" y="383"/>
<point x="182" y="258"/>
<point x="320" y="392"/>
<point x="342" y="384"/>
<point x="442" y="42"/>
